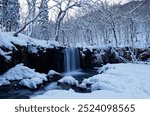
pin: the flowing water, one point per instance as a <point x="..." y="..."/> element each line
<point x="71" y="60"/>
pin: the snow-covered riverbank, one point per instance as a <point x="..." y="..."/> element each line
<point x="116" y="81"/>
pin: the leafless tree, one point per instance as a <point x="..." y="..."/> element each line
<point x="63" y="7"/>
<point x="29" y="20"/>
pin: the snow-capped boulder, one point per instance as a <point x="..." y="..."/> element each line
<point x="53" y="75"/>
<point x="20" y="72"/>
<point x="68" y="79"/>
<point x="24" y="76"/>
<point x="67" y="82"/>
<point x="4" y="82"/>
<point x="32" y="83"/>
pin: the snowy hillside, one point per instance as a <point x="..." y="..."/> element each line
<point x="8" y="40"/>
<point x="116" y="81"/>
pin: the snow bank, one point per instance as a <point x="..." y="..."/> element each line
<point x="28" y="76"/>
<point x="20" y="72"/>
<point x="105" y="68"/>
<point x="64" y="94"/>
<point x="118" y="81"/>
<point x="7" y="39"/>
<point x="68" y="79"/>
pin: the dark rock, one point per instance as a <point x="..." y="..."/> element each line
<point x="145" y="55"/>
<point x="42" y="61"/>
<point x="65" y="85"/>
<point x="53" y="78"/>
<point x="87" y="60"/>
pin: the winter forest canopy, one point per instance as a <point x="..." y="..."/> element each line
<point x="79" y="22"/>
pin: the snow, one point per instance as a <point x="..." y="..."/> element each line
<point x="53" y="43"/>
<point x="7" y="39"/>
<point x="32" y="49"/>
<point x="5" y="54"/>
<point x="119" y="81"/>
<point x="105" y="68"/>
<point x="20" y="72"/>
<point x="51" y="73"/>
<point x="64" y="94"/>
<point x="33" y="82"/>
<point x="68" y="79"/>
<point x="4" y="82"/>
<point x="27" y="77"/>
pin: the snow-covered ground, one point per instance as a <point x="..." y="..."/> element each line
<point x="7" y="39"/>
<point x="116" y="81"/>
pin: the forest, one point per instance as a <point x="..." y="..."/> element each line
<point x="74" y="22"/>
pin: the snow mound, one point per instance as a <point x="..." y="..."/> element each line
<point x="4" y="82"/>
<point x="105" y="68"/>
<point x="51" y="73"/>
<point x="27" y="77"/>
<point x="32" y="83"/>
<point x="20" y="72"/>
<point x="103" y="86"/>
<point x="69" y="80"/>
<point x="119" y="81"/>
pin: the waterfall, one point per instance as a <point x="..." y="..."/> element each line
<point x="71" y="59"/>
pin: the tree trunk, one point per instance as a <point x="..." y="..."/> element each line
<point x="60" y="17"/>
<point x="115" y="36"/>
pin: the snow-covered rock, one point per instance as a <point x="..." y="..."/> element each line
<point x="53" y="73"/>
<point x="20" y="72"/>
<point x="4" y="82"/>
<point x="69" y="80"/>
<point x="7" y="39"/>
<point x="33" y="82"/>
<point x="32" y="49"/>
<point x="27" y="77"/>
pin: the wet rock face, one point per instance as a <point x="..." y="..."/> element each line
<point x="145" y="54"/>
<point x="86" y="58"/>
<point x="5" y="64"/>
<point x="45" y="60"/>
<point x="99" y="57"/>
<point x="42" y="60"/>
